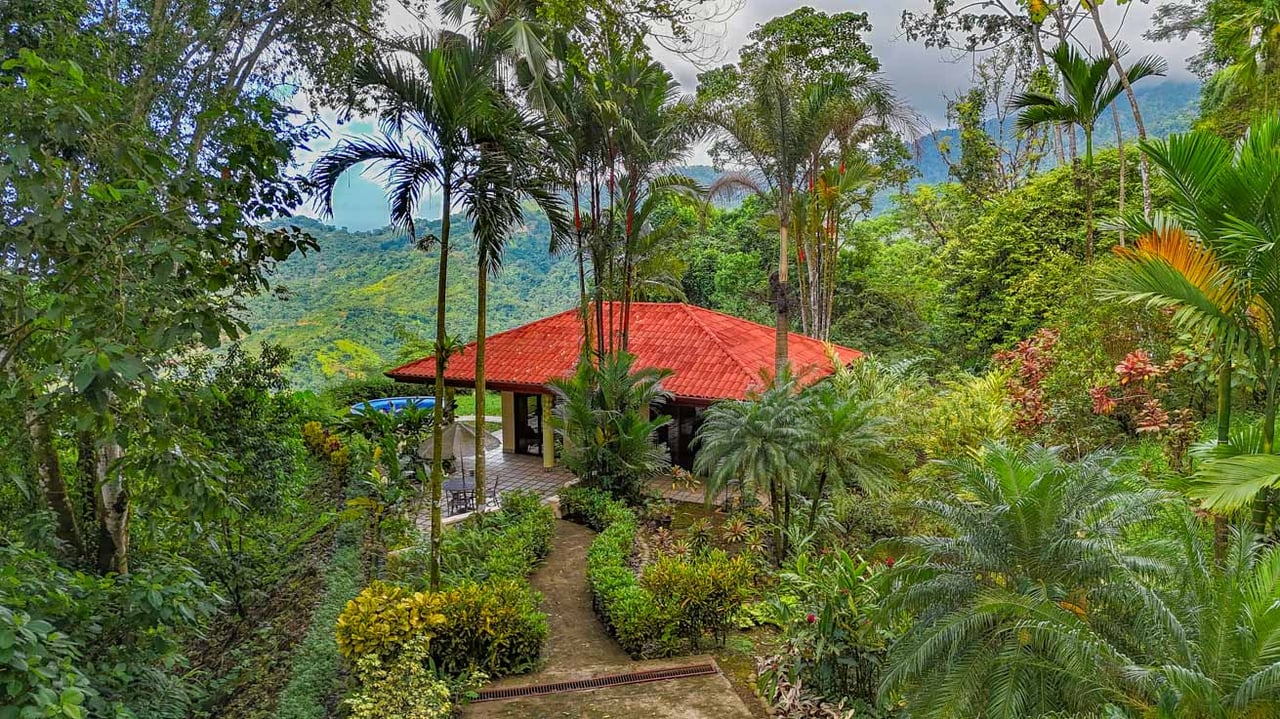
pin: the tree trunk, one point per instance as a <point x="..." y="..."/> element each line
<point x="1220" y="526"/>
<point x="781" y="306"/>
<point x="482" y="301"/>
<point x="817" y="500"/>
<point x="1133" y="103"/>
<point x="437" y="417"/>
<point x="775" y="506"/>
<point x="1262" y="502"/>
<point x="53" y="486"/>
<point x="1115" y="115"/>
<point x="113" y="512"/>
<point x="1088" y="194"/>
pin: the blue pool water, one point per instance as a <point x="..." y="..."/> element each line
<point x="394" y="404"/>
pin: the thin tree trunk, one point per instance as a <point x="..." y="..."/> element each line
<point x="817" y="501"/>
<point x="437" y="416"/>
<point x="775" y="505"/>
<point x="113" y="512"/>
<point x="1220" y="526"/>
<point x="1133" y="103"/>
<point x="1262" y="502"/>
<point x="53" y="486"/>
<point x="782" y="310"/>
<point x="482" y="304"/>
<point x="1088" y="194"/>
<point x="1115" y="115"/>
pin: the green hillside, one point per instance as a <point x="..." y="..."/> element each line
<point x="341" y="308"/>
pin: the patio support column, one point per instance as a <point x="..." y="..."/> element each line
<point x="508" y="423"/>
<point x="548" y="434"/>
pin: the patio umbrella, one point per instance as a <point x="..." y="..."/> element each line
<point x="460" y="441"/>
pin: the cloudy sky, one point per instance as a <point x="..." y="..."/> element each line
<point x="924" y="77"/>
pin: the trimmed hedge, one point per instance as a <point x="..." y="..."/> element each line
<point x="676" y="602"/>
<point x="314" y="672"/>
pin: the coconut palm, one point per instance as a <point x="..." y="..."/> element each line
<point x="849" y="445"/>
<point x="759" y="445"/>
<point x="438" y="106"/>
<point x="1215" y="261"/>
<point x="1008" y="605"/>
<point x="1219" y="638"/>
<point x="1090" y="89"/>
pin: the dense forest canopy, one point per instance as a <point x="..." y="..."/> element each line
<point x="1048" y="489"/>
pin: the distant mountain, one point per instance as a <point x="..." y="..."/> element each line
<point x="1167" y="107"/>
<point x="346" y="307"/>
<point x="343" y="306"/>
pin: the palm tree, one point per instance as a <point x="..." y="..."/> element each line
<point x="439" y="105"/>
<point x="1007" y="604"/>
<point x="1090" y="89"/>
<point x="1217" y="640"/>
<point x="779" y="128"/>
<point x="757" y="443"/>
<point x="1215" y="262"/>
<point x="602" y="418"/>
<point x="849" y="445"/>
<point x="513" y="28"/>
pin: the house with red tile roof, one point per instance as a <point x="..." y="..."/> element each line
<point x="712" y="356"/>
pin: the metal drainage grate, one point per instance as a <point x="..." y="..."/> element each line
<point x="652" y="675"/>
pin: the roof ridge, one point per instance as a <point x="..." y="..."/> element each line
<point x="488" y="339"/>
<point x="790" y="333"/>
<point x="724" y="347"/>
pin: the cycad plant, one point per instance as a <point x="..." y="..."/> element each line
<point x="1217" y="632"/>
<point x="1008" y="604"/>
<point x="1214" y="261"/>
<point x="438" y="105"/>
<point x="602" y="418"/>
<point x="1089" y="90"/>
<point x="849" y="446"/>
<point x="758" y="444"/>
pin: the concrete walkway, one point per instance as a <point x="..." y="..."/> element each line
<point x="579" y="648"/>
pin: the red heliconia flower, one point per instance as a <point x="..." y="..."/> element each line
<point x="1103" y="402"/>
<point x="841" y="167"/>
<point x="811" y="618"/>
<point x="888" y="562"/>
<point x="1136" y="367"/>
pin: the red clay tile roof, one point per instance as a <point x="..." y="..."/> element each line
<point x="712" y="355"/>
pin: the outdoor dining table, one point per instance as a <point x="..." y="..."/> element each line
<point x="462" y="492"/>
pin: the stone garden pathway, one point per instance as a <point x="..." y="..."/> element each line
<point x="578" y="648"/>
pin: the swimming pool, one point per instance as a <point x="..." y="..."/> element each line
<point x="394" y="404"/>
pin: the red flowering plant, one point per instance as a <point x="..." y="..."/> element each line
<point x="1028" y="364"/>
<point x="1138" y="396"/>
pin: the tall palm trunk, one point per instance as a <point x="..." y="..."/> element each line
<point x="775" y="506"/>
<point x="1221" y="529"/>
<point x="437" y="414"/>
<point x="817" y="500"/>
<point x="1110" y="49"/>
<point x="1115" y="116"/>
<point x="1088" y="193"/>
<point x="1262" y="503"/>
<point x="782" y="325"/>
<point x="482" y="304"/>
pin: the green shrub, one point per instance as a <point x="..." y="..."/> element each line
<point x="702" y="594"/>
<point x="592" y="507"/>
<point x="502" y="545"/>
<point x="677" y="603"/>
<point x="403" y="688"/>
<point x="314" y="673"/>
<point x="494" y="628"/>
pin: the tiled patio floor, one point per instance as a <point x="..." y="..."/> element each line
<point x="509" y="471"/>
